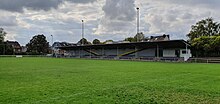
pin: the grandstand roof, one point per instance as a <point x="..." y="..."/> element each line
<point x="150" y="44"/>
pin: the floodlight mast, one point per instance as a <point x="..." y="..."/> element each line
<point x="51" y="40"/>
<point x="82" y="32"/>
<point x="52" y="43"/>
<point x="138" y="20"/>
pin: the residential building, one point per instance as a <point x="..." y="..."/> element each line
<point x="17" y="49"/>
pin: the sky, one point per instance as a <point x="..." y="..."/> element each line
<point x="104" y="19"/>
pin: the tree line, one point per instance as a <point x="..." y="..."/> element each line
<point x="138" y="37"/>
<point x="38" y="45"/>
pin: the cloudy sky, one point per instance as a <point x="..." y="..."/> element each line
<point x="104" y="19"/>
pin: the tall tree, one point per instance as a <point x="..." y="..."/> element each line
<point x="2" y="35"/>
<point x="83" y="41"/>
<point x="139" y="37"/>
<point x="204" y="38"/>
<point x="8" y="49"/>
<point x="96" y="41"/>
<point x="38" y="45"/>
<point x="206" y="27"/>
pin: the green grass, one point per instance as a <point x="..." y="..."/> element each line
<point x="62" y="81"/>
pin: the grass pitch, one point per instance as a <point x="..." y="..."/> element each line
<point x="49" y="81"/>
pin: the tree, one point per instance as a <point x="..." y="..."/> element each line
<point x="2" y="35"/>
<point x="216" y="43"/>
<point x="130" y="39"/>
<point x="205" y="38"/>
<point x="139" y="37"/>
<point x="38" y="45"/>
<point x="202" y="44"/>
<point x="108" y="41"/>
<point x="83" y="41"/>
<point x="8" y="49"/>
<point x="96" y="41"/>
<point x="206" y="27"/>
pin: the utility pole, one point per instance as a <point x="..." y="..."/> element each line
<point x="138" y="20"/>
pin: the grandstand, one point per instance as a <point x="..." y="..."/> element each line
<point x="169" y="50"/>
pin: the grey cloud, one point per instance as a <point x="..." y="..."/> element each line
<point x="8" y="21"/>
<point x="118" y="18"/>
<point x="82" y="1"/>
<point x="200" y="3"/>
<point x="194" y="1"/>
<point x="120" y="10"/>
<point x="116" y="21"/>
<point x="19" y="5"/>
<point x="173" y="20"/>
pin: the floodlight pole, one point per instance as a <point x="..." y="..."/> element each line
<point x="138" y="20"/>
<point x="82" y="32"/>
<point x="52" y="43"/>
<point x="51" y="40"/>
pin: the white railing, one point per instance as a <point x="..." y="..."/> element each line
<point x="205" y="60"/>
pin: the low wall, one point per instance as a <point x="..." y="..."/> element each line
<point x="163" y="59"/>
<point x="23" y="56"/>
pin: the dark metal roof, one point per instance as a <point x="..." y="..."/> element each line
<point x="150" y="44"/>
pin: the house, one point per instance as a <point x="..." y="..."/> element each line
<point x="60" y="52"/>
<point x="160" y="38"/>
<point x="17" y="49"/>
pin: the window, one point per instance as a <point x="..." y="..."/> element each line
<point x="184" y="52"/>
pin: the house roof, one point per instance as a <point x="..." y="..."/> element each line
<point x="159" y="38"/>
<point x="14" y="44"/>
